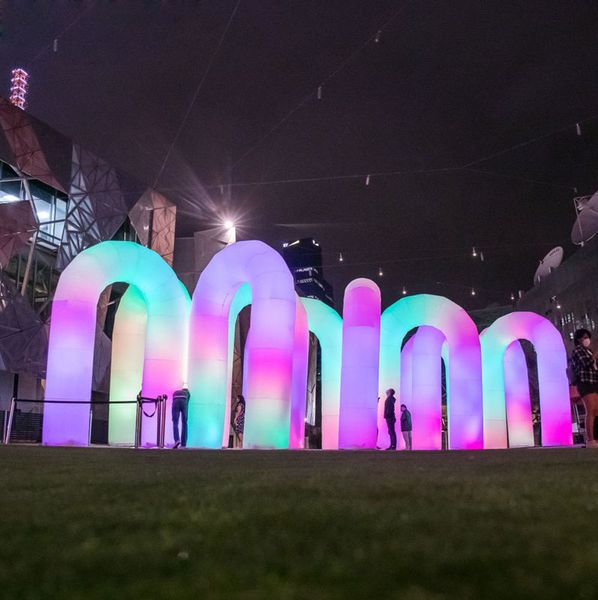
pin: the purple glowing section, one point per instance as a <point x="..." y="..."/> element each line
<point x="72" y="332"/>
<point x="464" y="366"/>
<point x="359" y="375"/>
<point x="326" y="324"/>
<point x="299" y="391"/>
<point x="517" y="398"/>
<point x="553" y="386"/>
<point x="269" y="347"/>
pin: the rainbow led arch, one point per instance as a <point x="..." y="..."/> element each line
<point x="162" y="339"/>
<point x="269" y="347"/>
<point x="72" y="333"/>
<point x="552" y="379"/>
<point x="465" y="410"/>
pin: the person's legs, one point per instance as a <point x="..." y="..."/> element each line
<point x="407" y="439"/>
<point x="591" y="404"/>
<point x="184" y="414"/>
<point x="176" y="411"/>
<point x="410" y="441"/>
<point x="392" y="434"/>
<point x="240" y="438"/>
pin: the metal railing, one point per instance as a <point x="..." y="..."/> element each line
<point x="20" y="425"/>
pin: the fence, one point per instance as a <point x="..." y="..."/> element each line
<point x="23" y="422"/>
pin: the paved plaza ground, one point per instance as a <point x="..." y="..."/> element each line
<point x="108" y="523"/>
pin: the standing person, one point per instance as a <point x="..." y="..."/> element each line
<point x="390" y="418"/>
<point x="406" y="426"/>
<point x="180" y="409"/>
<point x="239" y="420"/>
<point x="585" y="370"/>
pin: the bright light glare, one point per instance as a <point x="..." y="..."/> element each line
<point x="4" y="197"/>
<point x="228" y="224"/>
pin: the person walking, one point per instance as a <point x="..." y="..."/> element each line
<point x="585" y="371"/>
<point x="406" y="427"/>
<point x="239" y="420"/>
<point x="390" y="418"/>
<point x="180" y="410"/>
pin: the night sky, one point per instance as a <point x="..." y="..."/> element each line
<point x="471" y="105"/>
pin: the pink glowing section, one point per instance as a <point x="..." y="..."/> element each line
<point x="269" y="348"/>
<point x="517" y="398"/>
<point x="464" y="365"/>
<point x="299" y="392"/>
<point x="426" y="389"/>
<point x="555" y="409"/>
<point x="72" y="332"/>
<point x="326" y="324"/>
<point x="359" y="374"/>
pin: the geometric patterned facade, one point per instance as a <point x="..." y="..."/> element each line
<point x="99" y="200"/>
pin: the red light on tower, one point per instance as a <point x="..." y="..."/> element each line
<point x="18" y="87"/>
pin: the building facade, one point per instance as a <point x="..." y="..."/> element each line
<point x="56" y="199"/>
<point x="304" y="258"/>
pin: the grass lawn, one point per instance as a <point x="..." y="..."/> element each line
<point x="107" y="523"/>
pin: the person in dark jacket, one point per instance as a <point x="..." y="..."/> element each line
<point x="180" y="410"/>
<point x="585" y="370"/>
<point x="390" y="418"/>
<point x="406" y="426"/>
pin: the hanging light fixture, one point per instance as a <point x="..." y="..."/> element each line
<point x="380" y="272"/>
<point x="404" y="292"/>
<point x="473" y="252"/>
<point x="340" y="257"/>
<point x="319" y="92"/>
<point x="367" y="180"/>
<point x="472" y="291"/>
<point x="512" y="297"/>
<point x="378" y="36"/>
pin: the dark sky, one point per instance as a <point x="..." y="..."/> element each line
<point x="449" y="96"/>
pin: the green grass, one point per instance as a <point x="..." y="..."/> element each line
<point x="106" y="523"/>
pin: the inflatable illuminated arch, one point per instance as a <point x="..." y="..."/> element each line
<point x="552" y="380"/>
<point x="464" y="373"/>
<point x="162" y="339"/>
<point x="269" y="347"/>
<point x="73" y="330"/>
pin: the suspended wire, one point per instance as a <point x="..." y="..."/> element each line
<point x="54" y="44"/>
<point x="375" y="38"/>
<point x="197" y="91"/>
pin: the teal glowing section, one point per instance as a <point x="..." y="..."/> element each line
<point x="326" y="324"/>
<point x="553" y="386"/>
<point x="269" y="347"/>
<point x="359" y="372"/>
<point x="72" y="332"/>
<point x="126" y="374"/>
<point x="464" y="365"/>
